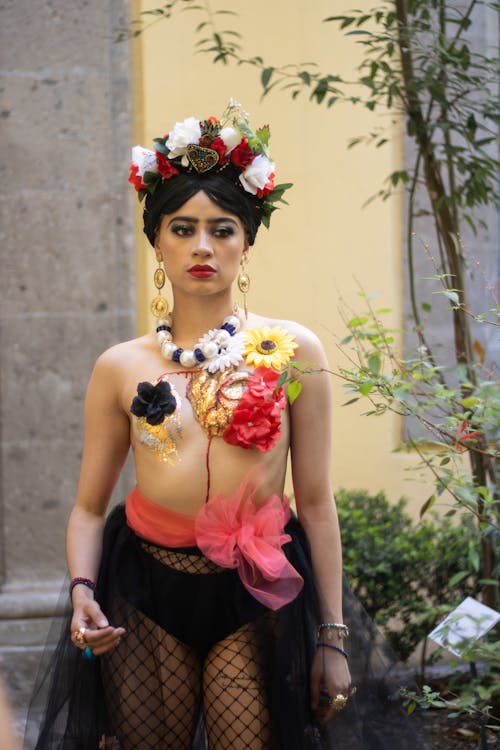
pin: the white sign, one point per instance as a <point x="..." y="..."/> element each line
<point x="464" y="625"/>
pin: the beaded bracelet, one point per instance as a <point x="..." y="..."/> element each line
<point x="322" y="644"/>
<point x="342" y="630"/>
<point x="84" y="581"/>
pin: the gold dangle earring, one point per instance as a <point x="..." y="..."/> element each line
<point x="159" y="305"/>
<point x="244" y="281"/>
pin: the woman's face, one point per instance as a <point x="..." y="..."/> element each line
<point x="201" y="246"/>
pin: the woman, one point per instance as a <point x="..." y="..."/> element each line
<point x="203" y="614"/>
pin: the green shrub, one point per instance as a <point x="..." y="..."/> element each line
<point x="401" y="570"/>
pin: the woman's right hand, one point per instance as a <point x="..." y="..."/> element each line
<point x="99" y="635"/>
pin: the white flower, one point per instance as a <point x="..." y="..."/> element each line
<point x="144" y="159"/>
<point x="182" y="135"/>
<point x="230" y="355"/>
<point x="256" y="175"/>
<point x="231" y="138"/>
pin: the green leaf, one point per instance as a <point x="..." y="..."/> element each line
<point x="457" y="578"/>
<point x="351" y="401"/>
<point x="427" y="505"/>
<point x="365" y="388"/>
<point x="488" y="582"/>
<point x="470" y="402"/>
<point x="354" y="322"/>
<point x="293" y="390"/>
<point x="426" y="307"/>
<point x="375" y="363"/>
<point x="282" y="379"/>
<point x="266" y="76"/>
<point x="473" y="557"/>
<point x="263" y="136"/>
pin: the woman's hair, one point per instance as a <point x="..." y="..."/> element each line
<point x="171" y="194"/>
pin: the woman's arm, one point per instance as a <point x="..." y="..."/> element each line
<point x="311" y="416"/>
<point x="105" y="448"/>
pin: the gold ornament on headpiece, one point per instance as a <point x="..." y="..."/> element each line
<point x="201" y="158"/>
<point x="159" y="305"/>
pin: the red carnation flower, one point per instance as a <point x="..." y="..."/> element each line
<point x="263" y="383"/>
<point x="135" y="178"/>
<point x="242" y="155"/>
<point x="165" y="166"/>
<point x="257" y="418"/>
<point x="268" y="187"/>
<point x="218" y="145"/>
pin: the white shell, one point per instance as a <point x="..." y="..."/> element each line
<point x="210" y="349"/>
<point x="167" y="349"/>
<point x="162" y="336"/>
<point x="223" y="338"/>
<point x="187" y="358"/>
<point x="234" y="321"/>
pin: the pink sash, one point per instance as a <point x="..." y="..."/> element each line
<point x="232" y="532"/>
<point x="158" y="524"/>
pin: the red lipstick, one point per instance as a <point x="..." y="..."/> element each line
<point x="201" y="272"/>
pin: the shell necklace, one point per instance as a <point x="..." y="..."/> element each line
<point x="216" y="350"/>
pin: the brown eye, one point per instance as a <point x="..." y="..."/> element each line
<point x="223" y="232"/>
<point x="182" y="230"/>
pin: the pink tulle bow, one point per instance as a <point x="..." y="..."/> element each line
<point x="235" y="533"/>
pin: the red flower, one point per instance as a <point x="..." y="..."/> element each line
<point x="264" y="382"/>
<point x="218" y="145"/>
<point x="135" y="178"/>
<point x="242" y="155"/>
<point x="165" y="166"/>
<point x="462" y="435"/>
<point x="257" y="418"/>
<point x="268" y="187"/>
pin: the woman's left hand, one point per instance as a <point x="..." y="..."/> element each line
<point x="330" y="678"/>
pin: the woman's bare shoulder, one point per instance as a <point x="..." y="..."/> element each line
<point x="119" y="356"/>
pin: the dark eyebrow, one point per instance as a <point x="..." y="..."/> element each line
<point x="196" y="221"/>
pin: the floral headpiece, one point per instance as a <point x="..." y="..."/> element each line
<point x="228" y="146"/>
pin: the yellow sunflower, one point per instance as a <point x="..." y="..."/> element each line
<point x="271" y="347"/>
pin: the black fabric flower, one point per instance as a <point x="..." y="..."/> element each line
<point x="154" y="402"/>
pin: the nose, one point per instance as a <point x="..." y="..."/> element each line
<point x="203" y="243"/>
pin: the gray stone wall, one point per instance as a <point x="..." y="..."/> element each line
<point x="66" y="283"/>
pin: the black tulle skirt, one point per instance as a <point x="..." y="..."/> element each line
<point x="177" y="609"/>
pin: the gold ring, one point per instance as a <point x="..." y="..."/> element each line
<point x="78" y="637"/>
<point x="339" y="702"/>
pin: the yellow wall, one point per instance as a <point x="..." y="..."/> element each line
<point x="325" y="243"/>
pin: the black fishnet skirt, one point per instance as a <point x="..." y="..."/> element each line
<point x="204" y="666"/>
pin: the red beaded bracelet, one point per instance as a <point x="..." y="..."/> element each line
<point x="84" y="581"/>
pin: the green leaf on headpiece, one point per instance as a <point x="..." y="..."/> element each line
<point x="245" y="130"/>
<point x="160" y="146"/>
<point x="279" y="190"/>
<point x="263" y="135"/>
<point x="150" y="177"/>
